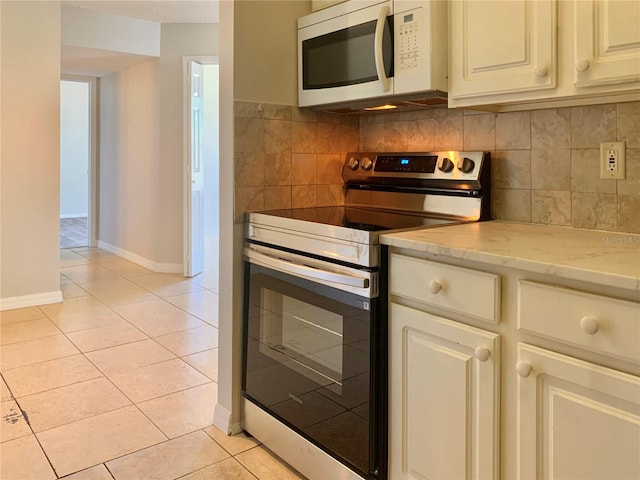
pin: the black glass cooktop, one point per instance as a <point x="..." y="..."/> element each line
<point x="360" y="218"/>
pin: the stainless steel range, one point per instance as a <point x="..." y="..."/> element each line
<point x="315" y="314"/>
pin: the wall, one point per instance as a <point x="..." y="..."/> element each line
<point x="30" y="153"/>
<point x="266" y="58"/>
<point x="103" y="31"/>
<point x="286" y="157"/>
<point x="545" y="165"/>
<point x="74" y="149"/>
<point x="141" y="156"/>
<point x="128" y="166"/>
<point x="210" y="144"/>
<point x="177" y="40"/>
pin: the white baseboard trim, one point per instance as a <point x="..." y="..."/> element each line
<point x="142" y="261"/>
<point x="32" y="300"/>
<point x="74" y="215"/>
<point x="222" y="420"/>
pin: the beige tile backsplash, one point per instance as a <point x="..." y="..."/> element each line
<point x="545" y="163"/>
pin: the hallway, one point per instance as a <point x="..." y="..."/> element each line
<point x="119" y="381"/>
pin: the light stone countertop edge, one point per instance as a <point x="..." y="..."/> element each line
<point x="594" y="256"/>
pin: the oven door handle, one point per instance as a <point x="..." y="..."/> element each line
<point x="286" y="266"/>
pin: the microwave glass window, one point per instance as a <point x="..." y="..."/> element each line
<point x="345" y="57"/>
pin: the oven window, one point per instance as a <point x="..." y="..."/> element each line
<point x="307" y="361"/>
<point x="345" y="57"/>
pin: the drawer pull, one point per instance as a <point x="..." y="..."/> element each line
<point x="482" y="353"/>
<point x="523" y="369"/>
<point x="435" y="286"/>
<point x="589" y="325"/>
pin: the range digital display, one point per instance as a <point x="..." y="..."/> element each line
<point x="406" y="163"/>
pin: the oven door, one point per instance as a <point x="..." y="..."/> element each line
<point x="347" y="57"/>
<point x="308" y="358"/>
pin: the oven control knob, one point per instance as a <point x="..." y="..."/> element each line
<point x="446" y="165"/>
<point x="466" y="165"/>
<point x="353" y="163"/>
<point x="366" y="163"/>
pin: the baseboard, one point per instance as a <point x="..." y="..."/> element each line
<point x="142" y="261"/>
<point x="32" y="300"/>
<point x="222" y="420"/>
<point x="73" y="215"/>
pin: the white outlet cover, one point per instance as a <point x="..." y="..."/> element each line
<point x="605" y="170"/>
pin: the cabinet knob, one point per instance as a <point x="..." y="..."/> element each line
<point x="589" y="325"/>
<point x="435" y="286"/>
<point x="582" y="65"/>
<point x="523" y="369"/>
<point x="541" y="71"/>
<point x="482" y="353"/>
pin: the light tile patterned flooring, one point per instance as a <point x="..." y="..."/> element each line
<point x="119" y="381"/>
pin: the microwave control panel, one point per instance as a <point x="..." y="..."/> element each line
<point x="408" y="39"/>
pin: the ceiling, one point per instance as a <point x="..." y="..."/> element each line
<point x="159" y="11"/>
<point x="94" y="62"/>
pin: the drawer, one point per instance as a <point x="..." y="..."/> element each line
<point x="460" y="290"/>
<point x="602" y="324"/>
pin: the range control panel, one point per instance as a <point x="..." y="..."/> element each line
<point x="365" y="167"/>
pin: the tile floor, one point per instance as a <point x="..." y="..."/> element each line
<point x="119" y="381"/>
<point x="74" y="232"/>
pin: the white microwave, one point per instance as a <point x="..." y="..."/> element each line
<point x="367" y="52"/>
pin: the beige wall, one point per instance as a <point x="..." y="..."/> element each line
<point x="177" y="40"/>
<point x="30" y="168"/>
<point x="129" y="151"/>
<point x="141" y="158"/>
<point x="265" y="46"/>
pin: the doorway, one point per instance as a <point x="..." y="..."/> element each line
<point x="201" y="236"/>
<point x="76" y="154"/>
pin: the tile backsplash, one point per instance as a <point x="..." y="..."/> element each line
<point x="545" y="163"/>
<point x="287" y="157"/>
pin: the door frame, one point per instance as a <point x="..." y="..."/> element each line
<point x="186" y="140"/>
<point x="92" y="174"/>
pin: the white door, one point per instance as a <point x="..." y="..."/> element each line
<point x="575" y="419"/>
<point x="194" y="263"/>
<point x="443" y="398"/>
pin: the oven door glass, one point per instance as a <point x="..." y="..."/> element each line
<point x="307" y="361"/>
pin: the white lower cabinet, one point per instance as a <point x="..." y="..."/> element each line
<point x="444" y="398"/>
<point x="576" y="419"/>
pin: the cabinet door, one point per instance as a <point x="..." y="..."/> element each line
<point x="501" y="47"/>
<point x="444" y="398"/>
<point x="607" y="42"/>
<point x="575" y="419"/>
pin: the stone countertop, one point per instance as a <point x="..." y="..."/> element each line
<point x="595" y="256"/>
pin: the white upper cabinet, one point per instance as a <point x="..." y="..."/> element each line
<point x="499" y="47"/>
<point x="543" y="52"/>
<point x="607" y="47"/>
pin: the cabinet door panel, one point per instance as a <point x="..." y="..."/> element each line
<point x="444" y="399"/>
<point x="607" y="47"/>
<point x="576" y="419"/>
<point x="502" y="47"/>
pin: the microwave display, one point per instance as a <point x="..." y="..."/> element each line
<point x="345" y="57"/>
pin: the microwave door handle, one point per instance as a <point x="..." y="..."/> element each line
<point x="378" y="53"/>
<point x="304" y="271"/>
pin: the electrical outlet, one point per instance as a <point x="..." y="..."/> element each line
<point x="612" y="160"/>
